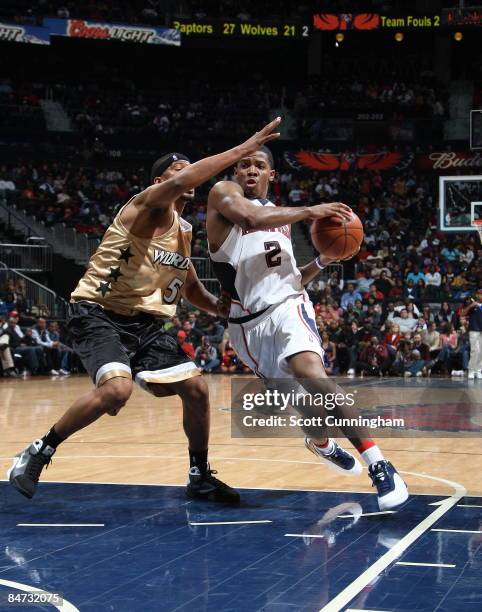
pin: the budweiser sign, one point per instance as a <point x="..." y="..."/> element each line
<point x="442" y="160"/>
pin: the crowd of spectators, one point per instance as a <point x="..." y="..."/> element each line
<point x="34" y="347"/>
<point x="161" y="12"/>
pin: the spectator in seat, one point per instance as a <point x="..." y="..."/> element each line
<point x="41" y="335"/>
<point x="350" y="340"/>
<point x="214" y="332"/>
<point x="329" y="358"/>
<point x="24" y="345"/>
<point x="374" y="358"/>
<point x="65" y="351"/>
<point x="193" y="334"/>
<point x="448" y="344"/>
<point x="186" y="346"/>
<point x="206" y="356"/>
<point x="350" y="296"/>
<point x="230" y="360"/>
<point x="6" y="358"/>
<point x="415" y="275"/>
<point x="433" y="281"/>
<point x="405" y="323"/>
<point x="445" y="314"/>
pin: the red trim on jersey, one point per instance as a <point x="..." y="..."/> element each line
<point x="256" y="369"/>
<point x="245" y="309"/>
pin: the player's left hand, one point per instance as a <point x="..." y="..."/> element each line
<point x="224" y="304"/>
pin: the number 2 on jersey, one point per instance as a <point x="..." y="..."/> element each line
<point x="272" y="249"/>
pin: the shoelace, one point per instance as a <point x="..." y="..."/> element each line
<point x="211" y="478"/>
<point x="380" y="478"/>
<point x="36" y="465"/>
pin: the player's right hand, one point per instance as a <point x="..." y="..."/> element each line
<point x="258" y="139"/>
<point x="334" y="209"/>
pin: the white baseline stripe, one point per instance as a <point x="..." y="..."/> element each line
<point x="468" y="506"/>
<point x="357" y="610"/>
<point x="425" y="564"/>
<point x="60" y="525"/>
<point x="26" y="588"/>
<point x="456" y="530"/>
<point x="231" y="523"/>
<point x="367" y="514"/>
<point x="303" y="535"/>
<point x="353" y="589"/>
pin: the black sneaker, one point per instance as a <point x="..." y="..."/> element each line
<point x="392" y="491"/>
<point x="27" y="466"/>
<point x="209" y="488"/>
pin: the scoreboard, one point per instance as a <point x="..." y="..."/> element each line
<point x="235" y="28"/>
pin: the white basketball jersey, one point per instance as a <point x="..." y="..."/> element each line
<point x="257" y="267"/>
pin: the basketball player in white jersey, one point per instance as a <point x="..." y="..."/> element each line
<point x="272" y="322"/>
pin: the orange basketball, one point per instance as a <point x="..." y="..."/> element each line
<point x="336" y="239"/>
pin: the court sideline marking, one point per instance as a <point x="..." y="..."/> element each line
<point x="60" y="524"/>
<point x="366" y="577"/>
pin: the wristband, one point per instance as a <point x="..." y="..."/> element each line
<point x="319" y="264"/>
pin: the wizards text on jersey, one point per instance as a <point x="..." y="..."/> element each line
<point x="168" y="258"/>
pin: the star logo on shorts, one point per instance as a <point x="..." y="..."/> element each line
<point x="104" y="288"/>
<point x="125" y="254"/>
<point x="115" y="273"/>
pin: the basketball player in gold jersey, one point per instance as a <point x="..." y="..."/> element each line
<point x="132" y="285"/>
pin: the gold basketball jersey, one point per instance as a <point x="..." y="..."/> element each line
<point x="128" y="274"/>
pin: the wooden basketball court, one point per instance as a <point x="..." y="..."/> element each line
<point x="145" y="443"/>
<point x="111" y="528"/>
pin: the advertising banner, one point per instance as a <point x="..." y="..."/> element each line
<point x="10" y="32"/>
<point x="330" y="162"/>
<point x="81" y="28"/>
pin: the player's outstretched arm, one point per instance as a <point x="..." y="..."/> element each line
<point x="228" y="199"/>
<point x="197" y="294"/>
<point x="163" y="194"/>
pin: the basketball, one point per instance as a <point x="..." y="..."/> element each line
<point x="336" y="239"/>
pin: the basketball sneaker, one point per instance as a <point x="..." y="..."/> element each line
<point x="392" y="491"/>
<point x="338" y="459"/>
<point x="207" y="487"/>
<point x="27" y="466"/>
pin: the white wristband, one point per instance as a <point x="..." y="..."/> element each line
<point x="319" y="264"/>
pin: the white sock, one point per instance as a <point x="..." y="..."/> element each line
<point x="328" y="449"/>
<point x="372" y="455"/>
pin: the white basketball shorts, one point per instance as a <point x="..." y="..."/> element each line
<point x="266" y="342"/>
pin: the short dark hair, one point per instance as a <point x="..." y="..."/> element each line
<point x="269" y="155"/>
<point x="264" y="149"/>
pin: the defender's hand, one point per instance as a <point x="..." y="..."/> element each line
<point x="258" y="139"/>
<point x="334" y="209"/>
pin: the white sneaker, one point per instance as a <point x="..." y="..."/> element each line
<point x="392" y="491"/>
<point x="418" y="374"/>
<point x="64" y="372"/>
<point x="457" y="373"/>
<point x="54" y="373"/>
<point x="351" y="372"/>
<point x="339" y="459"/>
<point x="407" y="374"/>
<point x="478" y="374"/>
<point x="471" y="375"/>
